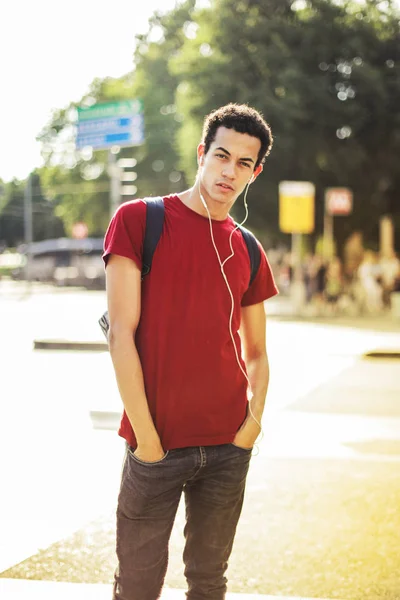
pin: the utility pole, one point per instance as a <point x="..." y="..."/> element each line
<point x="28" y="226"/>
<point x="118" y="170"/>
<point x="328" y="240"/>
<point x="1" y="202"/>
<point x="297" y="288"/>
<point x="114" y="172"/>
<point x="338" y="201"/>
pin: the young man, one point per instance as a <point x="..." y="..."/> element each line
<point x="177" y="354"/>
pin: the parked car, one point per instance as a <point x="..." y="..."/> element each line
<point x="64" y="261"/>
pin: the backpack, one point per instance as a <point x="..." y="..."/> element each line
<point x="154" y="225"/>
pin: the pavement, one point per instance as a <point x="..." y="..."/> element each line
<point x="321" y="515"/>
<point x="11" y="589"/>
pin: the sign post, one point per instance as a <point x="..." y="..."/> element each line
<point x="386" y="236"/>
<point x="28" y="227"/>
<point x="338" y="201"/>
<point x="115" y="182"/>
<point x="127" y="176"/>
<point x="297" y="216"/>
<point x="111" y="126"/>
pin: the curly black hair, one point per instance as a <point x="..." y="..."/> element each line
<point x="243" y="119"/>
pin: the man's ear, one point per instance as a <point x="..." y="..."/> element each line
<point x="200" y="154"/>
<point x="256" y="173"/>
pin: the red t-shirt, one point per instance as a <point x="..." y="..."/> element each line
<point x="196" y="392"/>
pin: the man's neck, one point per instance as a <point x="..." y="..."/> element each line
<point x="191" y="198"/>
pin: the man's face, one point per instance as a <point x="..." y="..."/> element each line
<point x="228" y="166"/>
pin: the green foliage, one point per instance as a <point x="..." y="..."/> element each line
<point x="78" y="185"/>
<point x="76" y="198"/>
<point x="158" y="161"/>
<point x="326" y="77"/>
<point x="46" y="223"/>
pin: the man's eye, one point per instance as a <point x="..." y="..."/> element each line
<point x="221" y="155"/>
<point x="245" y="164"/>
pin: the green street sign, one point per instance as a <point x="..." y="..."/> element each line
<point x="111" y="109"/>
<point x="103" y="126"/>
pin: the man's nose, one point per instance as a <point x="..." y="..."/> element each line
<point x="229" y="170"/>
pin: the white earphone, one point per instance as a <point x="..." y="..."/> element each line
<point x="222" y="263"/>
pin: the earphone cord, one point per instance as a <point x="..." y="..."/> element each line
<point x="229" y="289"/>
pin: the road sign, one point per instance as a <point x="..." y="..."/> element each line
<point x="296" y="206"/>
<point x="110" y="109"/>
<point x="113" y="124"/>
<point x="338" y="201"/>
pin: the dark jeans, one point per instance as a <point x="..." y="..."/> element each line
<point x="213" y="481"/>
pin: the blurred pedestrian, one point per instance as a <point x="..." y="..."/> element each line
<point x="333" y="284"/>
<point x="320" y="283"/>
<point x="309" y="276"/>
<point x="370" y="277"/>
<point x="390" y="273"/>
<point x="176" y="350"/>
<point x="284" y="274"/>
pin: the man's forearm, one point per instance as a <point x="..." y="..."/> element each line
<point x="258" y="373"/>
<point x="129" y="375"/>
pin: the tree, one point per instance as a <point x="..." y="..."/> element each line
<point x="79" y="183"/>
<point x="46" y="224"/>
<point x="154" y="82"/>
<point x="325" y="74"/>
<point x="326" y="78"/>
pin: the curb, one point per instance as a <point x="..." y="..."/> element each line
<point x="105" y="419"/>
<point x="383" y="353"/>
<point x="70" y="345"/>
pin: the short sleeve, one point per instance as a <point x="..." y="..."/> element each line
<point x="125" y="233"/>
<point x="263" y="286"/>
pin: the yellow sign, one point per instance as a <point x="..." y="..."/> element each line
<point x="296" y="206"/>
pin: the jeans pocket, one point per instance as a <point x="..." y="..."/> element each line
<point x="241" y="448"/>
<point x="143" y="462"/>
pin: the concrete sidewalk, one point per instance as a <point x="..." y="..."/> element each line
<point x="321" y="518"/>
<point x="91" y="339"/>
<point x="19" y="589"/>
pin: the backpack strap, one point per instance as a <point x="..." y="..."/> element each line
<point x="154" y="225"/>
<point x="253" y="250"/>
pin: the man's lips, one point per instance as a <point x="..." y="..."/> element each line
<point x="225" y="186"/>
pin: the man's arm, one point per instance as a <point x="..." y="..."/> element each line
<point x="252" y="330"/>
<point x="123" y="282"/>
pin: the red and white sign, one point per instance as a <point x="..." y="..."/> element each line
<point x="79" y="231"/>
<point x="338" y="201"/>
